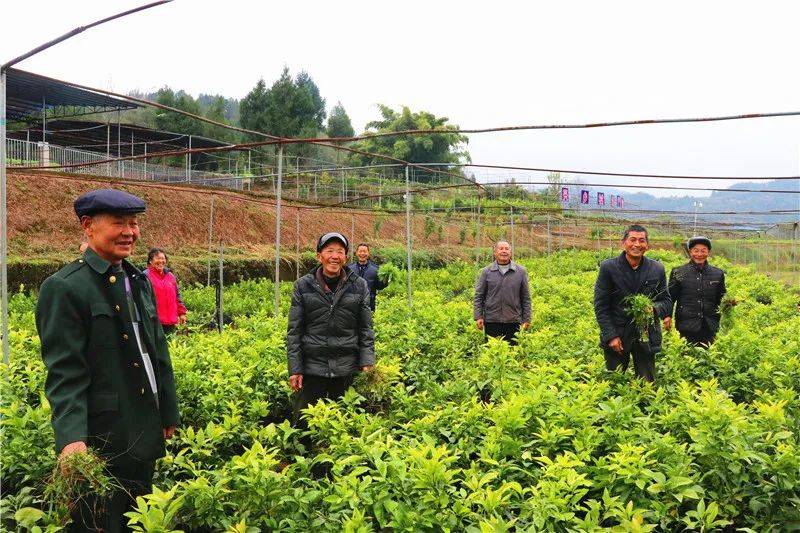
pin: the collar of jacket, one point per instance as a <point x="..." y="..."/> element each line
<point x="624" y="260"/>
<point x="695" y="266"/>
<point x="101" y="266"/>
<point x="511" y="266"/>
<point x="356" y="264"/>
<point x="343" y="275"/>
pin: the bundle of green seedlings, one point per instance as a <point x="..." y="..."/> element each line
<point x="640" y="308"/>
<point x="389" y="273"/>
<point x="78" y="478"/>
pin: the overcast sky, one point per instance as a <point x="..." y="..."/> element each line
<point x="481" y="64"/>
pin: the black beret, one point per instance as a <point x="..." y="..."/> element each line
<point x="333" y="236"/>
<point x="698" y="239"/>
<point x="108" y="201"/>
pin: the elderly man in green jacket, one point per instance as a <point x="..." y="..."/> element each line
<point x="109" y="377"/>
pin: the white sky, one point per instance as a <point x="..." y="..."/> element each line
<point x="481" y="64"/>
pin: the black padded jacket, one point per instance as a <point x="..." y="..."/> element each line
<point x="330" y="332"/>
<point x="697" y="292"/>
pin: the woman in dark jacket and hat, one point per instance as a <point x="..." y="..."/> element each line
<point x="697" y="289"/>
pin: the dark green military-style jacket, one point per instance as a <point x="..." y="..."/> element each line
<point x="96" y="384"/>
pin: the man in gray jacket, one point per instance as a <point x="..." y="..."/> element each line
<point x="330" y="335"/>
<point x="502" y="297"/>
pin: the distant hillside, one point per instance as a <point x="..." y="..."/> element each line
<point x="726" y="201"/>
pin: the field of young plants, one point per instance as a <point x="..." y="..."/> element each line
<point x="451" y="434"/>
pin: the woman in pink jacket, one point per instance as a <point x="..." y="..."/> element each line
<point x="171" y="310"/>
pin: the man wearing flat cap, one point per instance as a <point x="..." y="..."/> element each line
<point x="330" y="335"/>
<point x="109" y="377"/>
<point x="697" y="289"/>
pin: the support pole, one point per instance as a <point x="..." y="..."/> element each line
<point x="119" y="145"/>
<point x="478" y="233"/>
<point x="278" y="187"/>
<point x="210" y="235"/>
<point x="108" y="148"/>
<point x="513" y="242"/>
<point x="3" y="217"/>
<point x="549" y="246"/>
<point x="189" y="162"/>
<point x="221" y="316"/>
<point x="408" y="242"/>
<point x="297" y="241"/>
<point x="352" y="235"/>
<point x="44" y="120"/>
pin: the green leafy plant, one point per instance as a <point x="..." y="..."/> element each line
<point x="640" y="308"/>
<point x="389" y="273"/>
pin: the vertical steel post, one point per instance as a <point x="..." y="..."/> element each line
<point x="108" y="148"/>
<point x="278" y="188"/>
<point x="408" y="241"/>
<point x="120" y="169"/>
<point x="119" y="144"/>
<point x="189" y="162"/>
<point x="3" y="217"/>
<point x="513" y="247"/>
<point x="352" y="235"/>
<point x="145" y="160"/>
<point x="478" y="236"/>
<point x="221" y="317"/>
<point x="297" y="241"/>
<point x="210" y="234"/>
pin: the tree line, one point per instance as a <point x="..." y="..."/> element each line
<point x="293" y="106"/>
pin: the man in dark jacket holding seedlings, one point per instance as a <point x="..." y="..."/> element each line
<point x="628" y="274"/>
<point x="697" y="288"/>
<point x="330" y="335"/>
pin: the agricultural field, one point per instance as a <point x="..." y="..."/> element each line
<point x="449" y="433"/>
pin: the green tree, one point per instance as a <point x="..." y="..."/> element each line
<point x="339" y="123"/>
<point x="289" y="108"/>
<point x="217" y="111"/>
<point x="552" y="194"/>
<point x="174" y="122"/>
<point x="429" y="148"/>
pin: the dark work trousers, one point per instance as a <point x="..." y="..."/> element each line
<point x="108" y="514"/>
<point x="703" y="337"/>
<point x="169" y="330"/>
<point x="644" y="359"/>
<point x="502" y="330"/>
<point x="316" y="388"/>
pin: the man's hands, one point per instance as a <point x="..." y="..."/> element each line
<point x="525" y="325"/>
<point x="479" y="323"/>
<point x="296" y="380"/>
<point x="69" y="449"/>
<point x="668" y="323"/>
<point x="615" y="344"/>
<point x="169" y="431"/>
<point x="73" y="447"/>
